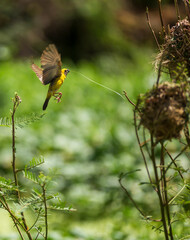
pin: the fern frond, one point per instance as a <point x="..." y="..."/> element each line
<point x="30" y="176"/>
<point x="22" y="122"/>
<point x="7" y="184"/>
<point x="35" y="162"/>
<point x="5" y="122"/>
<point x="68" y="209"/>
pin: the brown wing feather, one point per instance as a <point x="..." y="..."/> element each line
<point x="51" y="64"/>
<point x="38" y="72"/>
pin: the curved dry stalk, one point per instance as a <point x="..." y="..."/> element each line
<point x="162" y="160"/>
<point x="141" y="149"/>
<point x="161" y="17"/>
<point x="158" y="188"/>
<point x="132" y="103"/>
<point x="151" y="29"/>
<point x="187" y="8"/>
<point x="173" y="159"/>
<point x="133" y="201"/>
<point x="177" y="9"/>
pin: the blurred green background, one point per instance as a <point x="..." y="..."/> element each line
<point x="88" y="138"/>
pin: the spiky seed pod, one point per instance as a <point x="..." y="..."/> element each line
<point x="163" y="111"/>
<point x="176" y="49"/>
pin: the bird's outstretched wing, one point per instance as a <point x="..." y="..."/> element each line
<point x="51" y="64"/>
<point x="38" y="72"/>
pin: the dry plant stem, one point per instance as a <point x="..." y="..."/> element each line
<point x="141" y="149"/>
<point x="173" y="161"/>
<point x="159" y="69"/>
<point x="186" y="9"/>
<point x="145" y="143"/>
<point x="45" y="206"/>
<point x="162" y="177"/>
<point x="129" y="99"/>
<point x="152" y="30"/>
<point x="158" y="188"/>
<point x="15" y="105"/>
<point x="131" y="199"/>
<point x="186" y="132"/>
<point x="165" y="191"/>
<point x="161" y="18"/>
<point x="37" y="236"/>
<point x="134" y="203"/>
<point x="177" y="10"/>
<point x="35" y="220"/>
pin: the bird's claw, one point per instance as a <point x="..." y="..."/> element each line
<point x="58" y="96"/>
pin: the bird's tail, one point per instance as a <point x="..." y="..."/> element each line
<point x="46" y="102"/>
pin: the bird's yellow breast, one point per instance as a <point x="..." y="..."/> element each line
<point x="56" y="84"/>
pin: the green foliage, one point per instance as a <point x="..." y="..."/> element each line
<point x="35" y="162"/>
<point x="89" y="140"/>
<point x="25" y="121"/>
<point x="5" y="122"/>
<point x="7" y="184"/>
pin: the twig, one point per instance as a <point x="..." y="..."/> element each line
<point x="45" y="206"/>
<point x="152" y="30"/>
<point x="35" y="220"/>
<point x="173" y="161"/>
<point x="177" y="9"/>
<point x="132" y="103"/>
<point x="141" y="149"/>
<point x="145" y="143"/>
<point x="133" y="201"/>
<point x="186" y="132"/>
<point x="173" y="198"/>
<point x="187" y="8"/>
<point x="158" y="188"/>
<point x="160" y="68"/>
<point x="162" y="174"/>
<point x="16" y="102"/>
<point x="15" y="220"/>
<point x="161" y="17"/>
<point x="37" y="236"/>
<point x="165" y="191"/>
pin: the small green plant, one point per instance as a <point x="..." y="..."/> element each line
<point x="37" y="201"/>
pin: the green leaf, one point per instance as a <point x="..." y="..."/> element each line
<point x="30" y="176"/>
<point x="25" y="121"/>
<point x="7" y="183"/>
<point x="68" y="209"/>
<point x="5" y="122"/>
<point x="35" y="162"/>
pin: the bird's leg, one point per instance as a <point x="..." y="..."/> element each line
<point x="58" y="96"/>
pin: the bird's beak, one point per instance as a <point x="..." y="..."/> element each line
<point x="66" y="72"/>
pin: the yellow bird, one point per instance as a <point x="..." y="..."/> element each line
<point x="51" y="72"/>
